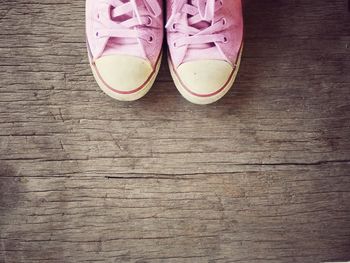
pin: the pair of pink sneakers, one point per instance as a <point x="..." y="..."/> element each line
<point x="125" y="37"/>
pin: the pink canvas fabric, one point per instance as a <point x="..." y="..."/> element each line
<point x="133" y="27"/>
<point x="204" y="29"/>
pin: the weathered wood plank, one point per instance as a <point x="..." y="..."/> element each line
<point x="278" y="216"/>
<point x="261" y="176"/>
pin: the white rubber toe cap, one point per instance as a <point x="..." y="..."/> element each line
<point x="123" y="77"/>
<point x="205" y="78"/>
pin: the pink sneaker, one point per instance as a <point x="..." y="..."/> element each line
<point x="205" y="45"/>
<point x="124" y="40"/>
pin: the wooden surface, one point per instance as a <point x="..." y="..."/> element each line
<point x="261" y="176"/>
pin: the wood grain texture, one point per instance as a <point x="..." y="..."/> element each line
<point x="261" y="176"/>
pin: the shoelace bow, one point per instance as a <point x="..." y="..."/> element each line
<point x="198" y="11"/>
<point x="125" y="28"/>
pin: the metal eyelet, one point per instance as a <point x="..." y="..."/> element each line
<point x="150" y="39"/>
<point x="149" y="21"/>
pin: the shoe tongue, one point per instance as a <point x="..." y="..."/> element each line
<point x="201" y="26"/>
<point x="201" y="51"/>
<point x="123" y="46"/>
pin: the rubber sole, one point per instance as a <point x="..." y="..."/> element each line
<point x="203" y="100"/>
<point x="123" y="96"/>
